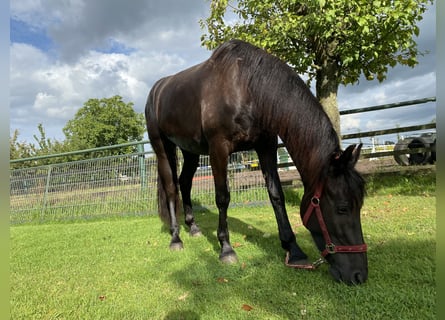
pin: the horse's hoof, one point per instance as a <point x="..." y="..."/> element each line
<point x="230" y="258"/>
<point x="175" y="246"/>
<point x="195" y="233"/>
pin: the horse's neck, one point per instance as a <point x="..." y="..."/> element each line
<point x="310" y="142"/>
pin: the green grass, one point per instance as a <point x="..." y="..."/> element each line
<point x="122" y="268"/>
<point x="96" y="203"/>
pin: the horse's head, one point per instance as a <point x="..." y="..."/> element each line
<point x="332" y="214"/>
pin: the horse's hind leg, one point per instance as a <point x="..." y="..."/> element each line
<point x="185" y="182"/>
<point x="168" y="194"/>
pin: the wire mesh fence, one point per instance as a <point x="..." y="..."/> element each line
<point x="110" y="185"/>
<point x="120" y="186"/>
<point x="126" y="184"/>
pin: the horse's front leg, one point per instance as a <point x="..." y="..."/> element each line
<point x="219" y="162"/>
<point x="268" y="163"/>
<point x="185" y="182"/>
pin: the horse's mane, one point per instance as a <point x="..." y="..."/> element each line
<point x="287" y="105"/>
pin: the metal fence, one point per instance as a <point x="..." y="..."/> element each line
<point x="110" y="185"/>
<point x="119" y="186"/>
<point x="126" y="184"/>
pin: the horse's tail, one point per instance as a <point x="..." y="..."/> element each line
<point x="164" y="212"/>
<point x="152" y="129"/>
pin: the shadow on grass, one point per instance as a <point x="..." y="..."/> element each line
<point x="274" y="291"/>
<point x="207" y="220"/>
<point x="182" y="315"/>
<point x="262" y="270"/>
<point x="259" y="280"/>
<point x="401" y="273"/>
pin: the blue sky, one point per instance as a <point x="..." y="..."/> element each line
<point x="21" y="32"/>
<point x="64" y="53"/>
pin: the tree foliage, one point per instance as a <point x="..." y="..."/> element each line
<point x="333" y="42"/>
<point x="46" y="146"/>
<point x="20" y="149"/>
<point x="100" y="122"/>
<point x="43" y="146"/>
<point x="104" y="122"/>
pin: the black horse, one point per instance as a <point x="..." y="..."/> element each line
<point x="241" y="98"/>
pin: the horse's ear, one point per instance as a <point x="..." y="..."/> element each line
<point x="349" y="157"/>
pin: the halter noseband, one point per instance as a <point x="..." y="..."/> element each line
<point x="330" y="247"/>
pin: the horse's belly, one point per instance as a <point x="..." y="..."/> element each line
<point x="195" y="146"/>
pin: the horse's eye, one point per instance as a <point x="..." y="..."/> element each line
<point x="343" y="209"/>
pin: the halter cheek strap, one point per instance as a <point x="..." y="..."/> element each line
<point x="330" y="247"/>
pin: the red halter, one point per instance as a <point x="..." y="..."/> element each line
<point x="330" y="248"/>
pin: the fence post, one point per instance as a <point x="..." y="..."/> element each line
<point x="141" y="158"/>
<point x="48" y="178"/>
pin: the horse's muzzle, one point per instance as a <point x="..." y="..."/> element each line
<point x="353" y="277"/>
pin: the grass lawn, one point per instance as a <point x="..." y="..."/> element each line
<point x="122" y="268"/>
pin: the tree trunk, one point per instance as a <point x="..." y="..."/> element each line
<point x="327" y="82"/>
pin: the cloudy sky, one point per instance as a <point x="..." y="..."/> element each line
<point x="63" y="53"/>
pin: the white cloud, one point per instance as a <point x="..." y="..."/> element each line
<point x="42" y="101"/>
<point x="91" y="24"/>
<point x="376" y="124"/>
<point x="390" y="91"/>
<point x="50" y="93"/>
<point x="163" y="38"/>
<point x="49" y="87"/>
<point x="350" y="123"/>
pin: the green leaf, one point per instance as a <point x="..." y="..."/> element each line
<point x="377" y="31"/>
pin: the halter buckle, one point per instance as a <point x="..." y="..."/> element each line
<point x="330" y="248"/>
<point x="318" y="262"/>
<point x="315" y="201"/>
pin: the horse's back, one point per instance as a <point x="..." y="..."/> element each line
<point x="174" y="108"/>
<point x="203" y="104"/>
